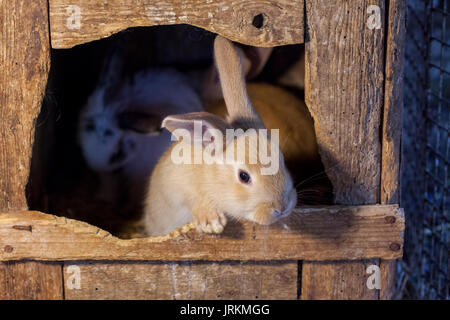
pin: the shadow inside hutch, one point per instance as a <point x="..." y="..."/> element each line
<point x="63" y="183"/>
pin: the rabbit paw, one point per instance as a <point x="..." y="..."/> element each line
<point x="210" y="221"/>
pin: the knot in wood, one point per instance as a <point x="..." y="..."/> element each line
<point x="394" y="246"/>
<point x="390" y="219"/>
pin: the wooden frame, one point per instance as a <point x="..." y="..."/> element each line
<point x="353" y="90"/>
<point x="331" y="233"/>
<point x="281" y="21"/>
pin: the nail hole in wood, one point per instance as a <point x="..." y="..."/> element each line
<point x="395" y="246"/>
<point x="258" y="21"/>
<point x="24" y="228"/>
<point x="390" y="219"/>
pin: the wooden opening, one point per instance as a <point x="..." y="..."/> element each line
<point x="328" y="233"/>
<point x="319" y="233"/>
<point x="355" y="73"/>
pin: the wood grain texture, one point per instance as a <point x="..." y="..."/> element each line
<point x="344" y="92"/>
<point x="183" y="280"/>
<point x="392" y="127"/>
<point x="282" y="20"/>
<point x="336" y="281"/>
<point x="24" y="65"/>
<point x="393" y="103"/>
<point x="388" y="272"/>
<point x="30" y="281"/>
<point x="314" y="234"/>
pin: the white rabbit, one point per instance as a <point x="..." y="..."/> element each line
<point x="119" y="128"/>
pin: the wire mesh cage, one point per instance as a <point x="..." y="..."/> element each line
<point x="424" y="271"/>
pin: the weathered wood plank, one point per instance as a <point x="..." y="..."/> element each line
<point x="277" y="22"/>
<point x="310" y="233"/>
<point x="30" y="281"/>
<point x="24" y="65"/>
<point x="388" y="272"/>
<point x="393" y="103"/>
<point x="392" y="127"/>
<point x="181" y="280"/>
<point x="340" y="281"/>
<point x="344" y="92"/>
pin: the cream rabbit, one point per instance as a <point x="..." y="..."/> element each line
<point x="283" y="110"/>
<point x="209" y="193"/>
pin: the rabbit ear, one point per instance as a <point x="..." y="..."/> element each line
<point x="256" y="58"/>
<point x="112" y="67"/>
<point x="195" y="124"/>
<point x="240" y="109"/>
<point x="253" y="60"/>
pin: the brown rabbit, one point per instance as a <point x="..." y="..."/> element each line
<point x="208" y="193"/>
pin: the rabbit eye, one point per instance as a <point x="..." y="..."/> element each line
<point x="244" y="177"/>
<point x="90" y="126"/>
